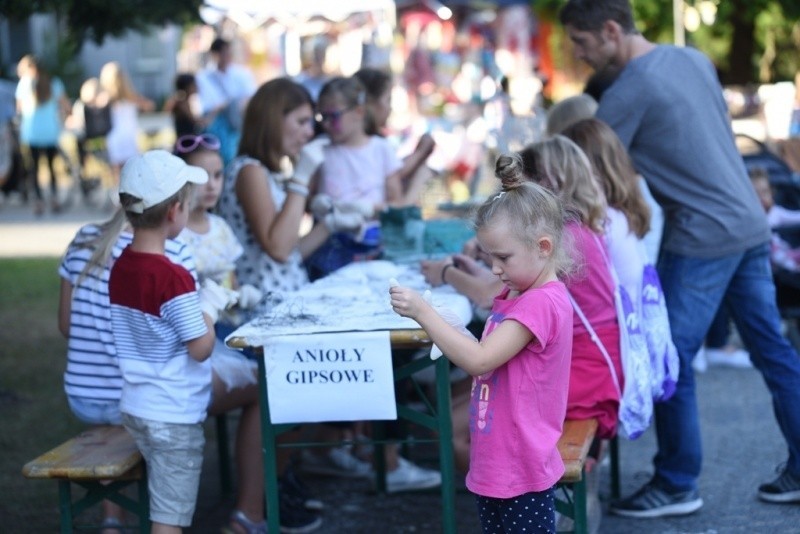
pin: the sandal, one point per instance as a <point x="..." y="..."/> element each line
<point x="240" y="524"/>
<point x="112" y="524"/>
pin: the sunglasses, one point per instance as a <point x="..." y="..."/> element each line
<point x="190" y="143"/>
<point x="332" y="116"/>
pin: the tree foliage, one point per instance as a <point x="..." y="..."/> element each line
<point x="97" y="19"/>
<point x="749" y="41"/>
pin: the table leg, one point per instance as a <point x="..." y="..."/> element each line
<point x="268" y="435"/>
<point x="446" y="446"/>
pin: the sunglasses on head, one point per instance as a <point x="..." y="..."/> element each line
<point x="332" y="116"/>
<point x="190" y="143"/>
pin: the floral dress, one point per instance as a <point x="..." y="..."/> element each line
<point x="255" y="266"/>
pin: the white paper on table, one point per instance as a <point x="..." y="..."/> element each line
<point x="354" y="298"/>
<point x="330" y="377"/>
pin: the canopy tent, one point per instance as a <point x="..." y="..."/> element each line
<point x="255" y="13"/>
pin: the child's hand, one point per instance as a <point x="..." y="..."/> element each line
<point x="337" y="221"/>
<point x="249" y="297"/>
<point x="406" y="302"/>
<point x="433" y="270"/>
<point x="468" y="264"/>
<point x="310" y="158"/>
<point x="213" y="299"/>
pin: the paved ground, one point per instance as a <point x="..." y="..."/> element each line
<point x="742" y="443"/>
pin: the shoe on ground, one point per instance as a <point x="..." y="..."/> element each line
<point x="298" y="491"/>
<point x="699" y="363"/>
<point x="784" y="489"/>
<point x="737" y="358"/>
<point x="295" y="518"/>
<point x="651" y="501"/>
<point x="240" y="523"/>
<point x="409" y="477"/>
<point x="338" y="461"/>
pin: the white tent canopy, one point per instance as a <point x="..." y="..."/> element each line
<point x="260" y="11"/>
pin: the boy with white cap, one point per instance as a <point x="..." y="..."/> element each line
<point x="163" y="339"/>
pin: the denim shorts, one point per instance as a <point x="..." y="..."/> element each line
<point x="174" y="456"/>
<point x="95" y="412"/>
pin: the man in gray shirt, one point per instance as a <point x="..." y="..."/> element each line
<point x="667" y="107"/>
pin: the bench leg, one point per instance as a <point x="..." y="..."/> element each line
<point x="616" y="492"/>
<point x="579" y="505"/>
<point x="143" y="510"/>
<point x="65" y="506"/>
<point x="224" y="455"/>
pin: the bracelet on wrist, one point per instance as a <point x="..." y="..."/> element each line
<point x="297" y="188"/>
<point x="444" y="270"/>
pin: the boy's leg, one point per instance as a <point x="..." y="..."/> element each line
<point x="174" y="457"/>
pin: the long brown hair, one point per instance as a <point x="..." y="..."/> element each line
<point x="561" y="166"/>
<point x="262" y="130"/>
<point x="612" y="166"/>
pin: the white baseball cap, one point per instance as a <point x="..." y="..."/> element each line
<point x="155" y="176"/>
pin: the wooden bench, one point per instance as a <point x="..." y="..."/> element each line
<point x="576" y="440"/>
<point x="103" y="460"/>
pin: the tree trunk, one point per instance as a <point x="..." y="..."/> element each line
<point x="741" y="70"/>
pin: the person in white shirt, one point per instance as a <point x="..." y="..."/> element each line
<point x="224" y="89"/>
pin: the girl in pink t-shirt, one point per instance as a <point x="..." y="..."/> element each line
<point x="521" y="366"/>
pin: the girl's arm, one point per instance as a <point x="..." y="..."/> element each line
<point x="394" y="189"/>
<point x="64" y="307"/>
<point x="277" y="232"/>
<point x="313" y="239"/>
<point x="476" y="358"/>
<point x="413" y="174"/>
<point x="467" y="276"/>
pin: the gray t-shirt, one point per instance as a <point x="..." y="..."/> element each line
<point x="668" y="109"/>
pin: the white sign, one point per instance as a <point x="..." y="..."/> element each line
<point x="330" y="377"/>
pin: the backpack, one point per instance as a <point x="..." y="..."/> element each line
<point x="649" y="357"/>
<point x="97" y="121"/>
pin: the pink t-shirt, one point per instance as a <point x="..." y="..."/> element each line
<point x="517" y="411"/>
<point x="359" y="173"/>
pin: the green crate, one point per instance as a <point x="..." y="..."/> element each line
<point x="446" y="236"/>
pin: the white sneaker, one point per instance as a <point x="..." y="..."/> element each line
<point x="409" y="476"/>
<point x="337" y="462"/>
<point x="737" y="358"/>
<point x="700" y="364"/>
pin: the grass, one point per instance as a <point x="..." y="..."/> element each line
<point x="34" y="415"/>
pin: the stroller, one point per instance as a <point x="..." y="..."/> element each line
<point x="785" y="184"/>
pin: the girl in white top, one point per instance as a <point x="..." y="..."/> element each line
<point x="215" y="250"/>
<point x="360" y="172"/>
<point x="358" y="167"/>
<point x="121" y="141"/>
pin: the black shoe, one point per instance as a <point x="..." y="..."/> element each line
<point x="295" y="517"/>
<point x="297" y="489"/>
<point x="651" y="501"/>
<point x="784" y="489"/>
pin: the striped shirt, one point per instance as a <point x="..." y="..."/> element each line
<point x="92" y="368"/>
<point x="155" y="311"/>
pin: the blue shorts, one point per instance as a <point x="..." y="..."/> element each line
<point x="95" y="412"/>
<point x="174" y="457"/>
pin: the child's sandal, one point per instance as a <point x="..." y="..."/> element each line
<point x="244" y="524"/>
<point x="112" y="524"/>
